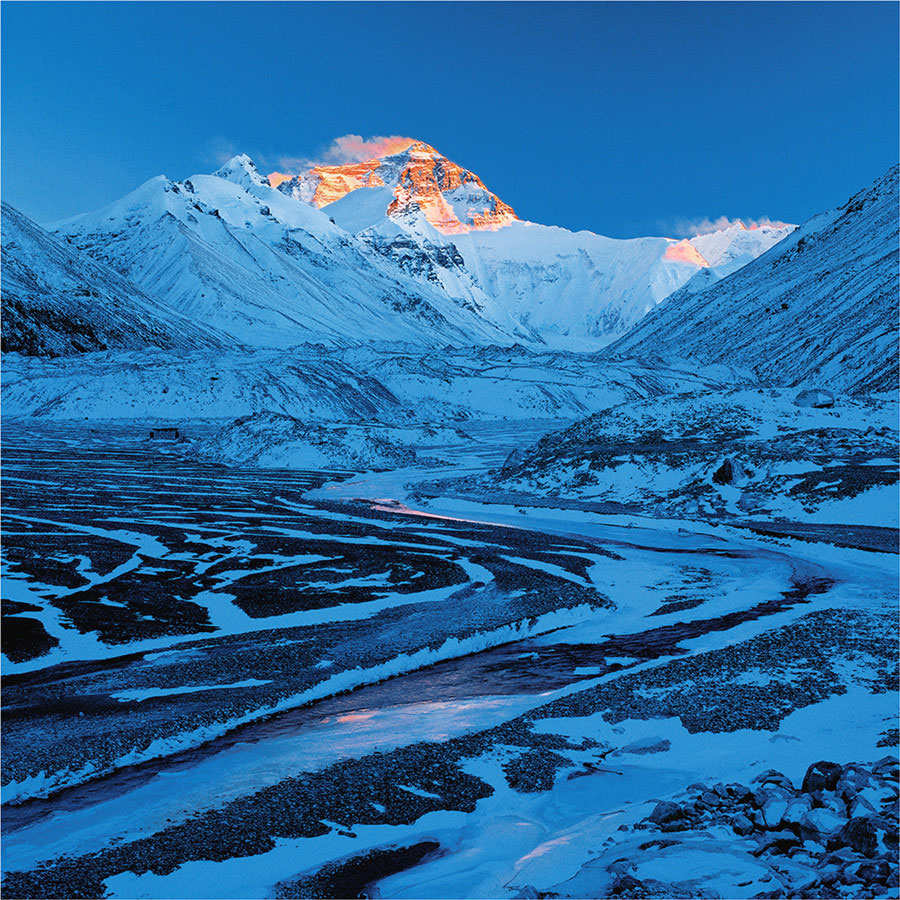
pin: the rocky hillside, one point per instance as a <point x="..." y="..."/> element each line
<point x="57" y="301"/>
<point x="735" y="454"/>
<point x="820" y="307"/>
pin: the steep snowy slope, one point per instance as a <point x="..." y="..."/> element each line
<point x="439" y="223"/>
<point x="820" y="307"/>
<point x="233" y="253"/>
<point x="406" y="247"/>
<point x="57" y="301"/>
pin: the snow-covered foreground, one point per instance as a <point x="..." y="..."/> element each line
<point x="176" y="634"/>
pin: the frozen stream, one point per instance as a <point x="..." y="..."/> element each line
<point x="481" y="612"/>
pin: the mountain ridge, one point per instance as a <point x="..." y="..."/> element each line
<point x="819" y="306"/>
<point x="426" y="256"/>
<point x="576" y="289"/>
<point x="57" y="301"/>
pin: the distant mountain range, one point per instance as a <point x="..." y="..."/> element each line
<point x="412" y="250"/>
<point x="407" y="247"/>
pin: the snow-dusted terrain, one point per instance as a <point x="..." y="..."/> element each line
<point x="342" y="557"/>
<point x="388" y="383"/>
<point x="734" y="454"/>
<point x="57" y="301"/>
<point x="820" y="307"/>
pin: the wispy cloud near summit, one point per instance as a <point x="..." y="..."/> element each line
<point x="687" y="228"/>
<point x="347" y="148"/>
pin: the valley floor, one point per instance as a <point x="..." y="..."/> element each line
<point x="224" y="682"/>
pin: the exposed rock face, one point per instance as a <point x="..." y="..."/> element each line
<point x="452" y="199"/>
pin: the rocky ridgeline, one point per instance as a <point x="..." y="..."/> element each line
<point x="836" y="836"/>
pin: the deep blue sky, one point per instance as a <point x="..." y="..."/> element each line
<point x="621" y="118"/>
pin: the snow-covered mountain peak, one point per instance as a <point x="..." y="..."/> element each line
<point x="726" y="249"/>
<point x="241" y="170"/>
<point x="417" y="181"/>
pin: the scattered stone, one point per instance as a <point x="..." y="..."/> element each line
<point x="534" y="771"/>
<point x="861" y="835"/>
<point x="806" y="836"/>
<point x="629" y="886"/>
<point x="818" y="398"/>
<point x="821" y="776"/>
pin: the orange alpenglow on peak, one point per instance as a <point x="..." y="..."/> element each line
<point x="452" y="199"/>
<point x="685" y="251"/>
<point x="276" y="178"/>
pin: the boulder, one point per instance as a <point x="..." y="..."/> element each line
<point x="821" y="776"/>
<point x="665" y="812"/>
<point x="817" y="398"/>
<point x="887" y="767"/>
<point x="774" y="811"/>
<point x="860" y="834"/>
<point x="796" y="810"/>
<point x="741" y="824"/>
<point x="724" y="474"/>
<point x="822" y="823"/>
<point x="773" y="776"/>
<point x="764" y="795"/>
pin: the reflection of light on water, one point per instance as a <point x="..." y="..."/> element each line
<point x="355" y="717"/>
<point x="246" y="766"/>
<point x="544" y="848"/>
<point x="398" y="507"/>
